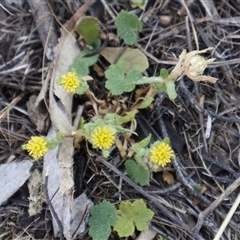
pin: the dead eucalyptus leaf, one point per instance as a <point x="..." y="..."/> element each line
<point x="61" y="111"/>
<point x="12" y="176"/>
<point x="58" y="162"/>
<point x="58" y="165"/>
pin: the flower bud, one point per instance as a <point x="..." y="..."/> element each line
<point x="197" y="65"/>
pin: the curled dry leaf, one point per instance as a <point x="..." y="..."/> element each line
<point x="112" y="104"/>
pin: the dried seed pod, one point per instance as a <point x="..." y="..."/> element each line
<point x="197" y="65"/>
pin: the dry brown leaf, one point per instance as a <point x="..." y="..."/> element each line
<point x="141" y="92"/>
<point x="142" y="95"/>
<point x="122" y="150"/>
<point x="168" y="177"/>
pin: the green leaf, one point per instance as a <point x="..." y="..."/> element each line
<point x="81" y="123"/>
<point x="105" y="153"/>
<point x="89" y="127"/>
<point x="124" y="130"/>
<point x="52" y="143"/>
<point x="124" y="227"/>
<point x="140" y="154"/>
<point x="142" y="144"/>
<point x="128" y="25"/>
<point x="117" y="119"/>
<point x="117" y="82"/>
<point x="103" y="216"/>
<point x="170" y="85"/>
<point x="146" y="103"/>
<point x="166" y="140"/>
<point x="131" y="59"/>
<point x="141" y="214"/>
<point x="160" y="237"/>
<point x="131" y="77"/>
<point x="93" y="59"/>
<point x="82" y="88"/>
<point x="157" y="80"/>
<point x="198" y="187"/>
<point x="137" y="3"/>
<point x="164" y="73"/>
<point x="88" y="28"/>
<point x="80" y="66"/>
<point x="138" y="173"/>
<point x="161" y="87"/>
<point x="115" y="78"/>
<point x="24" y="147"/>
<point x="135" y="213"/>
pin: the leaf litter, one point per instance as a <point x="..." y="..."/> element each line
<point x="211" y="162"/>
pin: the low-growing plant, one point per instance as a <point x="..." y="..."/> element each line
<point x="148" y="159"/>
<point x="129" y="216"/>
<point x="102" y="131"/>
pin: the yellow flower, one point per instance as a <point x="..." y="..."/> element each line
<point x="103" y="137"/>
<point x="37" y="147"/>
<point x="161" y="154"/>
<point x="70" y="82"/>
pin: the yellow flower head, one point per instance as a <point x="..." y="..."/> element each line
<point x="103" y="137"/>
<point x="161" y="154"/>
<point x="70" y="82"/>
<point x="37" y="147"/>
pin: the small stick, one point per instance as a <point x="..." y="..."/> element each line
<point x="6" y="9"/>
